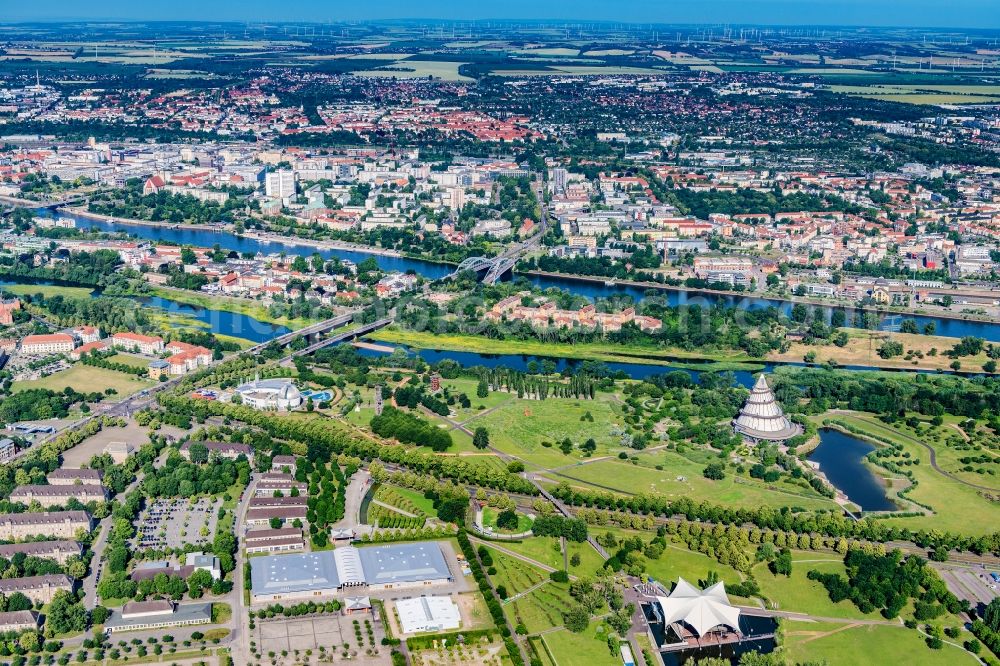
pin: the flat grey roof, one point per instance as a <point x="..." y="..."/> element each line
<point x="403" y="563"/>
<point x="283" y="574"/>
<point x="380" y="565"/>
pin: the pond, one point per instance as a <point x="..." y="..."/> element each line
<point x="841" y="458"/>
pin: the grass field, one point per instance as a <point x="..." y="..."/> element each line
<point x="547" y="551"/>
<point x="679" y="562"/>
<point x="46" y="290"/>
<point x="520" y="426"/>
<point x="589" y="648"/>
<point x="128" y="359"/>
<point x="861" y="350"/>
<point x="798" y="593"/>
<point x="681" y="477"/>
<point x="228" y="304"/>
<point x="953" y="502"/>
<point x="583" y="351"/>
<point x="85" y="379"/>
<point x="490" y="520"/>
<point x="848" y="645"/>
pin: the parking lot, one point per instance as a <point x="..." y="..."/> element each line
<point x="174" y="522"/>
<point x="976" y="585"/>
<point x="329" y="631"/>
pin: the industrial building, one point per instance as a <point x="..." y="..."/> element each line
<point x="326" y="573"/>
<point x="428" y="614"/>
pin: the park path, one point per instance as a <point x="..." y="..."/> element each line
<point x="393" y="508"/>
<point x="507" y="551"/>
<point x="525" y="593"/>
<point x="930" y="450"/>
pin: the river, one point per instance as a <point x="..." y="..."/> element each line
<point x="219" y="321"/>
<point x="841" y="458"/>
<point x="590" y="289"/>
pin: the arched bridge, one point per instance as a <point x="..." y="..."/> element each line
<point x="491" y="268"/>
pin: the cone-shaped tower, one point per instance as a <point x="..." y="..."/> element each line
<point x="762" y="419"/>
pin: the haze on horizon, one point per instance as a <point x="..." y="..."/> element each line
<point x="972" y="14"/>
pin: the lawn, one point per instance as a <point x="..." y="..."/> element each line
<point x="546" y="550"/>
<point x="85" y="378"/>
<point x="681" y="477"/>
<point x="953" y="502"/>
<point x="589" y="648"/>
<point x="490" y="520"/>
<point x="798" y="593"/>
<point x="848" y="645"/>
<point x="679" y="562"/>
<point x="128" y="359"/>
<point x="520" y="426"/>
<point x="46" y="290"/>
<point x="729" y="360"/>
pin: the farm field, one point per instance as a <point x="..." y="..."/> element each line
<point x="86" y="379"/>
<point x="418" y="69"/>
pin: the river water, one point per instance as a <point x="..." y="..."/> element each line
<point x="592" y="290"/>
<point x="218" y="321"/>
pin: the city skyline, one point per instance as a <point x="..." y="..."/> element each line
<point x="961" y="14"/>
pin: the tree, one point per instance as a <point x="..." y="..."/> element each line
<point x="482" y="390"/>
<point x="507" y="520"/>
<point x="481" y="438"/>
<point x="275" y="523"/>
<point x="991" y="614"/>
<point x="715" y="471"/>
<point x="198" y="453"/>
<point x="29" y="641"/>
<point x="576" y="619"/>
<point x="99" y="615"/>
<point x="66" y="614"/>
<point x="188" y="256"/>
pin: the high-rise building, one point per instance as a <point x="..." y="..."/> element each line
<point x="559" y="177"/>
<point x="280" y="184"/>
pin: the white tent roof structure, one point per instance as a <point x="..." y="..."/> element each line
<point x="701" y="610"/>
<point x="761" y="417"/>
